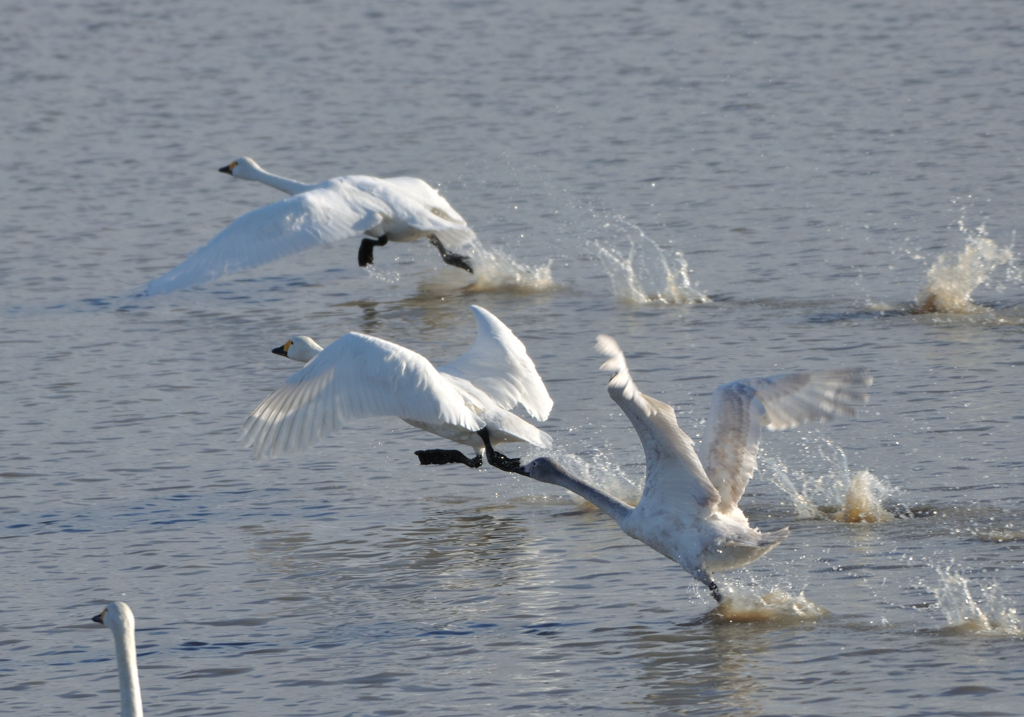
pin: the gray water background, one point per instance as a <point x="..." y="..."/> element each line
<point x="811" y="161"/>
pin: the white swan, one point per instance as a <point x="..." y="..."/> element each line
<point x="689" y="508"/>
<point x="119" y="618"/>
<point x="377" y="210"/>
<point x="467" y="401"/>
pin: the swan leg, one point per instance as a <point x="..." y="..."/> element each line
<point x="705" y="577"/>
<point x="498" y="460"/>
<point x="450" y="257"/>
<point x="439" y="457"/>
<point x="366" y="248"/>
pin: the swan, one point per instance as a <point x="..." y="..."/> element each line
<point x="398" y="209"/>
<point x="689" y="508"/>
<point x="467" y="401"/>
<point x="119" y="618"/>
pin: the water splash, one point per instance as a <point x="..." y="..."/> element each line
<point x="495" y="270"/>
<point x="989" y="614"/>
<point x="644" y="275"/>
<point x="775" y="606"/>
<point x="840" y="495"/>
<point x="953" y="278"/>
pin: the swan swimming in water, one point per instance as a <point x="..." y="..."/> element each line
<point x="358" y="376"/>
<point x="400" y="209"/>
<point x="689" y="508"/>
<point x="119" y="618"/>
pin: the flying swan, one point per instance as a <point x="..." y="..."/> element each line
<point x="119" y="618"/>
<point x="358" y="376"/>
<point x="689" y="508"/>
<point x="398" y="209"/>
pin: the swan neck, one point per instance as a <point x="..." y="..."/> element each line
<point x="288" y="186"/>
<point x="128" y="674"/>
<point x="614" y="507"/>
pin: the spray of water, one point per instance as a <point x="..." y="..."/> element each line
<point x="495" y="270"/>
<point x="775" y="606"/>
<point x="953" y="277"/>
<point x="840" y="494"/>
<point x="643" y="274"/>
<point x="989" y="613"/>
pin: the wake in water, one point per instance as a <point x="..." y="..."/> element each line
<point x="952" y="279"/>
<point x="777" y="606"/>
<point x="840" y="495"/>
<point x="644" y="275"/>
<point x="493" y="270"/>
<point x="988" y="614"/>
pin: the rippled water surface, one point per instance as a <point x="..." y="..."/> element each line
<point x="729" y="190"/>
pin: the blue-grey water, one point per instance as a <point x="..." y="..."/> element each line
<point x="813" y="164"/>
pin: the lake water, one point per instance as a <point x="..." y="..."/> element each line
<point x="729" y="189"/>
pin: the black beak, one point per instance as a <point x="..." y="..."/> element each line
<point x="98" y="618"/>
<point x="226" y="170"/>
<point x="279" y="351"/>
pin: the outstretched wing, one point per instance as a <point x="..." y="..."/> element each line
<point x="674" y="473"/>
<point x="739" y="410"/>
<point x="357" y="376"/>
<point x="498" y="365"/>
<point x="320" y="216"/>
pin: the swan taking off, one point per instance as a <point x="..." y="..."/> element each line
<point x="376" y="210"/>
<point x="119" y="618"/>
<point x="689" y="509"/>
<point x="358" y="376"/>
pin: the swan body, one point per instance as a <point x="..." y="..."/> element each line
<point x="400" y="209"/>
<point x="119" y="618"/>
<point x="689" y="508"/>
<point x="467" y="401"/>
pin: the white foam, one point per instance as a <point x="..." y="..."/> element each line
<point x="953" y="278"/>
<point x="775" y="606"/>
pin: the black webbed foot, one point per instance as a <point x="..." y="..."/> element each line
<point x="498" y="460"/>
<point x="715" y="592"/>
<point x="450" y="257"/>
<point x="439" y="457"/>
<point x="366" y="249"/>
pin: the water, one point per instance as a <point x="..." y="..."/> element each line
<point x="809" y="164"/>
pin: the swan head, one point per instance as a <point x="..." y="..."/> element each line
<point x="243" y="168"/>
<point x="299" y="348"/>
<point x="544" y="470"/>
<point x="118" y="617"/>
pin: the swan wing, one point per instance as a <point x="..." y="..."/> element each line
<point x="420" y="191"/>
<point x="675" y="476"/>
<point x="357" y="376"/>
<point x="324" y="215"/>
<point x="740" y="409"/>
<point x="417" y="204"/>
<point x="505" y="426"/>
<point x="498" y="365"/>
